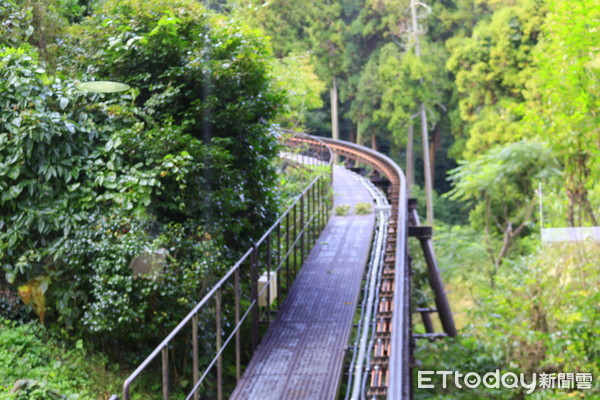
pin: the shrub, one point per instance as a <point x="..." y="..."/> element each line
<point x="90" y="181"/>
<point x="48" y="369"/>
<point x="342" y="210"/>
<point x="363" y="208"/>
<point x="101" y="294"/>
<point x="208" y="79"/>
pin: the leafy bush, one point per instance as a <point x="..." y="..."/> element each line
<point x="342" y="210"/>
<point x="541" y="317"/>
<point x="182" y="163"/>
<point x="108" y="297"/>
<point x="26" y="22"/>
<point x="206" y="78"/>
<point x="52" y="156"/>
<point x="49" y="369"/>
<point x="363" y="208"/>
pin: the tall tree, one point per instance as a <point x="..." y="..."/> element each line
<point x="491" y="67"/>
<point x="563" y="99"/>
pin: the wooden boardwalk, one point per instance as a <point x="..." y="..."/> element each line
<point x="301" y="355"/>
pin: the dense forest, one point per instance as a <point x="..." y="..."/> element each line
<point x="510" y="94"/>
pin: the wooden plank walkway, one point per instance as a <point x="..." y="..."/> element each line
<point x="301" y="355"/>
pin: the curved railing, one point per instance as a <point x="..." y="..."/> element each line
<point x="252" y="289"/>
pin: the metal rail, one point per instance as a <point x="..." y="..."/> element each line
<point x="390" y="375"/>
<point x="278" y="255"/>
<point x="364" y="344"/>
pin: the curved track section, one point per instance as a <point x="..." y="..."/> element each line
<point x="389" y="367"/>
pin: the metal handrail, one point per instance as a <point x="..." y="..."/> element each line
<point x="312" y="199"/>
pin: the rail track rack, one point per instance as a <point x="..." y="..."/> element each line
<point x="244" y="302"/>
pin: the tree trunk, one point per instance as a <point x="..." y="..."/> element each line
<point x="335" y="132"/>
<point x="410" y="160"/>
<point x="435" y="143"/>
<point x="427" y="166"/>
<point x="353" y="137"/>
<point x="373" y="141"/>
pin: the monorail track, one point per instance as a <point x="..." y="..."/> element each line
<point x="390" y="361"/>
<point x="391" y="357"/>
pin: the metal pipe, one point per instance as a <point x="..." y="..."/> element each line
<point x="364" y="336"/>
<point x="165" y="373"/>
<point x="268" y="285"/>
<point x="195" y="353"/>
<point x="218" y="345"/>
<point x="238" y="345"/>
<point x="254" y="297"/>
<point x="302" y="229"/>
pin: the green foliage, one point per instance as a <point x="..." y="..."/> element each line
<point x="283" y="21"/>
<point x="209" y="79"/>
<point x="50" y="369"/>
<point x="294" y="178"/>
<point x="491" y="68"/>
<point x="91" y="181"/>
<point x="35" y="23"/>
<point x="53" y="159"/>
<point x="110" y="298"/>
<point x="505" y="174"/>
<point x="342" y="210"/>
<point x="501" y="185"/>
<point x="296" y="75"/>
<point x="363" y="208"/>
<point x="544" y="307"/>
<point x="445" y="210"/>
<point x="563" y="98"/>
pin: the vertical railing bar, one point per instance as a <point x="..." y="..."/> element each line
<point x="308" y="217"/>
<point x="219" y="339"/>
<point x="278" y="266"/>
<point x="294" y="237"/>
<point x="238" y="345"/>
<point x="321" y="201"/>
<point x="302" y="230"/>
<point x="318" y="208"/>
<point x="195" y="353"/>
<point x="315" y="212"/>
<point x="268" y="285"/>
<point x="165" y="372"/>
<point x="254" y="295"/>
<point x="287" y="252"/>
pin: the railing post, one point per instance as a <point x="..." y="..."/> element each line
<point x="315" y="214"/>
<point x="302" y="230"/>
<point x="238" y="345"/>
<point x="294" y="238"/>
<point x="254" y="288"/>
<point x="308" y="216"/>
<point x="268" y="285"/>
<point x="278" y="266"/>
<point x="321" y="205"/>
<point x="195" y="353"/>
<point x="165" y="372"/>
<point x="220" y="358"/>
<point x="287" y="251"/>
